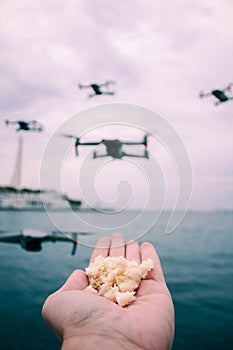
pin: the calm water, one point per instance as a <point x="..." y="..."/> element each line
<point x="197" y="261"/>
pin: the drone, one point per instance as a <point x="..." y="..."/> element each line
<point x="114" y="148"/>
<point x="25" y="126"/>
<point x="219" y="94"/>
<point x="97" y="88"/>
<point x="31" y="239"/>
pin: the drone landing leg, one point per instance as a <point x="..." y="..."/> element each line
<point x="95" y="155"/>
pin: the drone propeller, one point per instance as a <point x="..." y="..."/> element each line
<point x="110" y="82"/>
<point x="69" y="136"/>
<point x="76" y="144"/>
<point x="72" y="137"/>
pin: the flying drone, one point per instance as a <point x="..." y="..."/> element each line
<point x="114" y="148"/>
<point x="98" y="88"/>
<point x="31" y="240"/>
<point x="33" y="125"/>
<point x="221" y="95"/>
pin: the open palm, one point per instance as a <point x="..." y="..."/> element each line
<point x="85" y="321"/>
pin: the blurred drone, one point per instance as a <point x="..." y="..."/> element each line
<point x="31" y="240"/>
<point x="114" y="148"/>
<point x="33" y="125"/>
<point x="221" y="95"/>
<point x="98" y="88"/>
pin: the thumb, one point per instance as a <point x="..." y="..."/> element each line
<point x="76" y="281"/>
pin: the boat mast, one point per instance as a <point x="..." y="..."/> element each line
<point x="16" y="176"/>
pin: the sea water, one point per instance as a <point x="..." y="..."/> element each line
<point x="197" y="261"/>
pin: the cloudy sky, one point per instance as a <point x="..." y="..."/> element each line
<point x="161" y="54"/>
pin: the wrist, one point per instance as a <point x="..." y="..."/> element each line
<point x="102" y="342"/>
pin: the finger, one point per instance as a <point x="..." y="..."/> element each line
<point x="133" y="252"/>
<point x="77" y="281"/>
<point x="148" y="251"/>
<point x="117" y="247"/>
<point x="101" y="248"/>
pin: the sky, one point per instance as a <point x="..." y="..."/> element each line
<point x="161" y="55"/>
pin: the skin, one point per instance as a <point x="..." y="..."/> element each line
<point x="86" y="321"/>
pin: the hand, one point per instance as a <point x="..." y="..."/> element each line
<point x="86" y="321"/>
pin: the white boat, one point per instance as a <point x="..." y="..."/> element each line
<point x="12" y="198"/>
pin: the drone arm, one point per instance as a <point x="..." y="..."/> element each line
<point x="205" y="94"/>
<point x="132" y="143"/>
<point x="10" y="122"/>
<point x="108" y="82"/>
<point x="77" y="144"/>
<point x="73" y="239"/>
<point x="54" y="238"/>
<point x="36" y="125"/>
<point x="83" y="86"/>
<point x="90" y="143"/>
<point x="10" y="238"/>
<point x="108" y="93"/>
<point x="136" y="155"/>
<point x="144" y="142"/>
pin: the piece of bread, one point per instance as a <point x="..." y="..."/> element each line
<point x="116" y="278"/>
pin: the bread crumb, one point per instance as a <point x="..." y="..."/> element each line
<point x="116" y="278"/>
